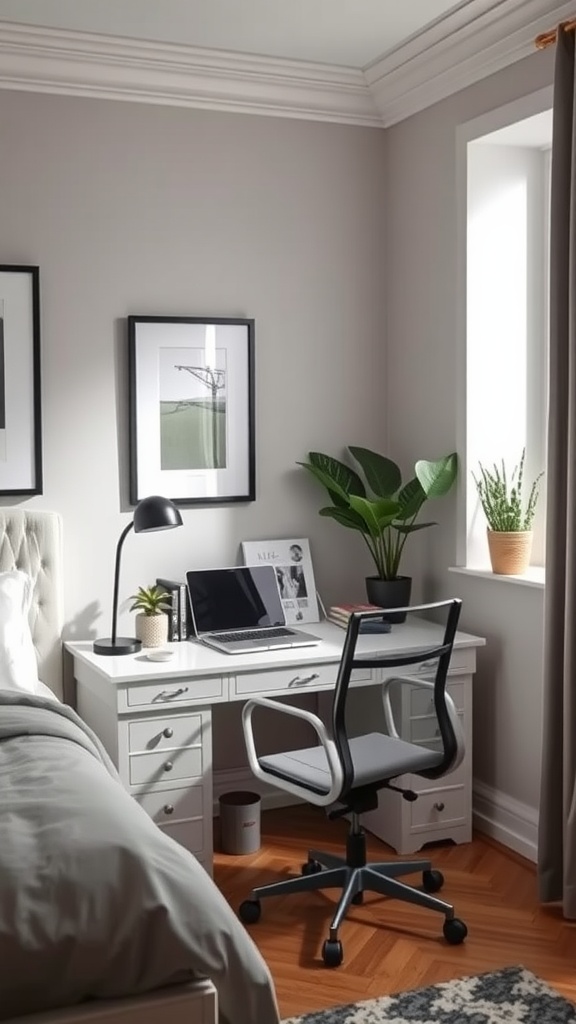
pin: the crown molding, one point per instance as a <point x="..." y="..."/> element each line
<point x="86" y="64"/>
<point x="458" y="51"/>
<point x="451" y="54"/>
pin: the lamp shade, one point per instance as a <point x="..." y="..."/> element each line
<point x="156" y="513"/>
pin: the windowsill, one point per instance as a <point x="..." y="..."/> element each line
<point x="535" y="575"/>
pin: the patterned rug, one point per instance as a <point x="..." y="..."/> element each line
<point x="510" y="996"/>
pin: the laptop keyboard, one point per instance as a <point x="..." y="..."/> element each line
<point x="250" y="634"/>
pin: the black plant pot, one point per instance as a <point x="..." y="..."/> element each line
<point x="390" y="594"/>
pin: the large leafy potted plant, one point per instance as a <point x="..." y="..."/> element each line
<point x="509" y="516"/>
<point x="382" y="509"/>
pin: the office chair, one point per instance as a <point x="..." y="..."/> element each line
<point x="344" y="774"/>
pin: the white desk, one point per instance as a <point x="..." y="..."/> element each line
<point x="155" y="720"/>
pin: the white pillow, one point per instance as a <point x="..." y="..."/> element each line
<point x="18" y="665"/>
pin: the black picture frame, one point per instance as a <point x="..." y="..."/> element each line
<point x="20" y="396"/>
<point x="191" y="408"/>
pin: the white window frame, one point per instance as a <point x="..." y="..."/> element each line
<point x="489" y="122"/>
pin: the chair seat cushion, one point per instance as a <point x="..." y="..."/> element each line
<point x="375" y="757"/>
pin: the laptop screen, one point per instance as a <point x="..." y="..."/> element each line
<point x="243" y="597"/>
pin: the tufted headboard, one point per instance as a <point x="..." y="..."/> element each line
<point x="32" y="541"/>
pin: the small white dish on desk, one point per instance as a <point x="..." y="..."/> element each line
<point x="162" y="654"/>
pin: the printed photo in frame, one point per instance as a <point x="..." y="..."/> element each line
<point x="191" y="398"/>
<point x="293" y="564"/>
<point x="20" y="403"/>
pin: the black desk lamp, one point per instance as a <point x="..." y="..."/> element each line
<point x="153" y="513"/>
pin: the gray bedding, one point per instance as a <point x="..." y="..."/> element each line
<point x="95" y="901"/>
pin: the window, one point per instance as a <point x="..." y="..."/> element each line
<point x="506" y="310"/>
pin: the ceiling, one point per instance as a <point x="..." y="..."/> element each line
<point x="369" y="63"/>
<point x="350" y="33"/>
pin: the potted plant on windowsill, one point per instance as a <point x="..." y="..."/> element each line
<point x="509" y="518"/>
<point x="151" y="623"/>
<point x="383" y="510"/>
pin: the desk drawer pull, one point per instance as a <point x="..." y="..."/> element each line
<point x="171" y="694"/>
<point x="439" y="806"/>
<point x="297" y="681"/>
<point x="168" y="766"/>
<point x="168" y="809"/>
<point x="168" y="733"/>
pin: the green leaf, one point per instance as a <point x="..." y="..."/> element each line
<point x="412" y="527"/>
<point x="344" y="516"/>
<point x="411" y="498"/>
<point x="437" y="477"/>
<point x="383" y="475"/>
<point x="377" y="515"/>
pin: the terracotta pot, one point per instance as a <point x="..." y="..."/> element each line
<point x="152" y="630"/>
<point x="390" y="594"/>
<point x="509" y="552"/>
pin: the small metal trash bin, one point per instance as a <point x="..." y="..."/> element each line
<point x="240" y="822"/>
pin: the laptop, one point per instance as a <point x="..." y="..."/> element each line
<point x="239" y="610"/>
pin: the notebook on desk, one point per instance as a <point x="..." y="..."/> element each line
<point x="239" y="610"/>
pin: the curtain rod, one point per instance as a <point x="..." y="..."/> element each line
<point x="547" y="38"/>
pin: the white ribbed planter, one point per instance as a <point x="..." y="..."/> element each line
<point x="152" y="630"/>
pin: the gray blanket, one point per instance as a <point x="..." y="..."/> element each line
<point x="95" y="901"/>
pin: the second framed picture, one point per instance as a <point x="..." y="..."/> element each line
<point x="191" y="409"/>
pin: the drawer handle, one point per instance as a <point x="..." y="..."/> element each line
<point x="168" y="733"/>
<point x="301" y="681"/>
<point x="170" y="694"/>
<point x="168" y="809"/>
<point x="424" y="665"/>
<point x="168" y="766"/>
<point x="439" y="806"/>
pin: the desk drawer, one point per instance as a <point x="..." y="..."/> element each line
<point x="171" y="805"/>
<point x="165" y="766"/>
<point x="169" y="732"/>
<point x="462" y="662"/>
<point x="422" y="700"/>
<point x="439" y="807"/>
<point x="189" y="834"/>
<point x="293" y="679"/>
<point x="173" y="691"/>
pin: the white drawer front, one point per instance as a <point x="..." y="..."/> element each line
<point x="427" y="731"/>
<point x="171" y="691"/>
<point x="462" y="662"/>
<point x="293" y="679"/>
<point x="422" y="700"/>
<point x="188" y="833"/>
<point x="172" y="805"/>
<point x="156" y="734"/>
<point x="440" y="807"/>
<point x="165" y="766"/>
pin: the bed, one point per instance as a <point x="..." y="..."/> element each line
<point x="102" y="917"/>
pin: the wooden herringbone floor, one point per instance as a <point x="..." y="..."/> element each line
<point x="391" y="946"/>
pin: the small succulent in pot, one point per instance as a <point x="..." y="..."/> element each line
<point x="150" y="600"/>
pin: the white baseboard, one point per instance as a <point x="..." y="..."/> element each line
<point x="234" y="779"/>
<point x="512" y="823"/>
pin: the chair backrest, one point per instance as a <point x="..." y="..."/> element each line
<point x="437" y="653"/>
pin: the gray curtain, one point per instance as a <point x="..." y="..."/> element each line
<point x="557" y="830"/>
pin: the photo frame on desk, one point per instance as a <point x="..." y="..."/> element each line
<point x="293" y="564"/>
<point x="191" y="401"/>
<point x="20" y="406"/>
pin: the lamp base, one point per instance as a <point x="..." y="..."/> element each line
<point x="121" y="645"/>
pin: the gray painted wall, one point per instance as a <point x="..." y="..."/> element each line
<point x="131" y="208"/>
<point x="425" y="408"/>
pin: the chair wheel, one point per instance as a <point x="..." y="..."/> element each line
<point x="311" y="867"/>
<point x="358" y="898"/>
<point x="455" y="931"/>
<point x="249" y="911"/>
<point x="432" y="881"/>
<point x="332" y="953"/>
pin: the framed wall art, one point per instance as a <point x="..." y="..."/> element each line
<point x="20" y="408"/>
<point x="191" y="402"/>
<point x="293" y="564"/>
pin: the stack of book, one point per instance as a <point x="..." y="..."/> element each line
<point x="339" y="614"/>
<point x="179" y="625"/>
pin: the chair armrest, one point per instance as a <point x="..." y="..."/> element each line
<point x="424" y="684"/>
<point x="336" y="770"/>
